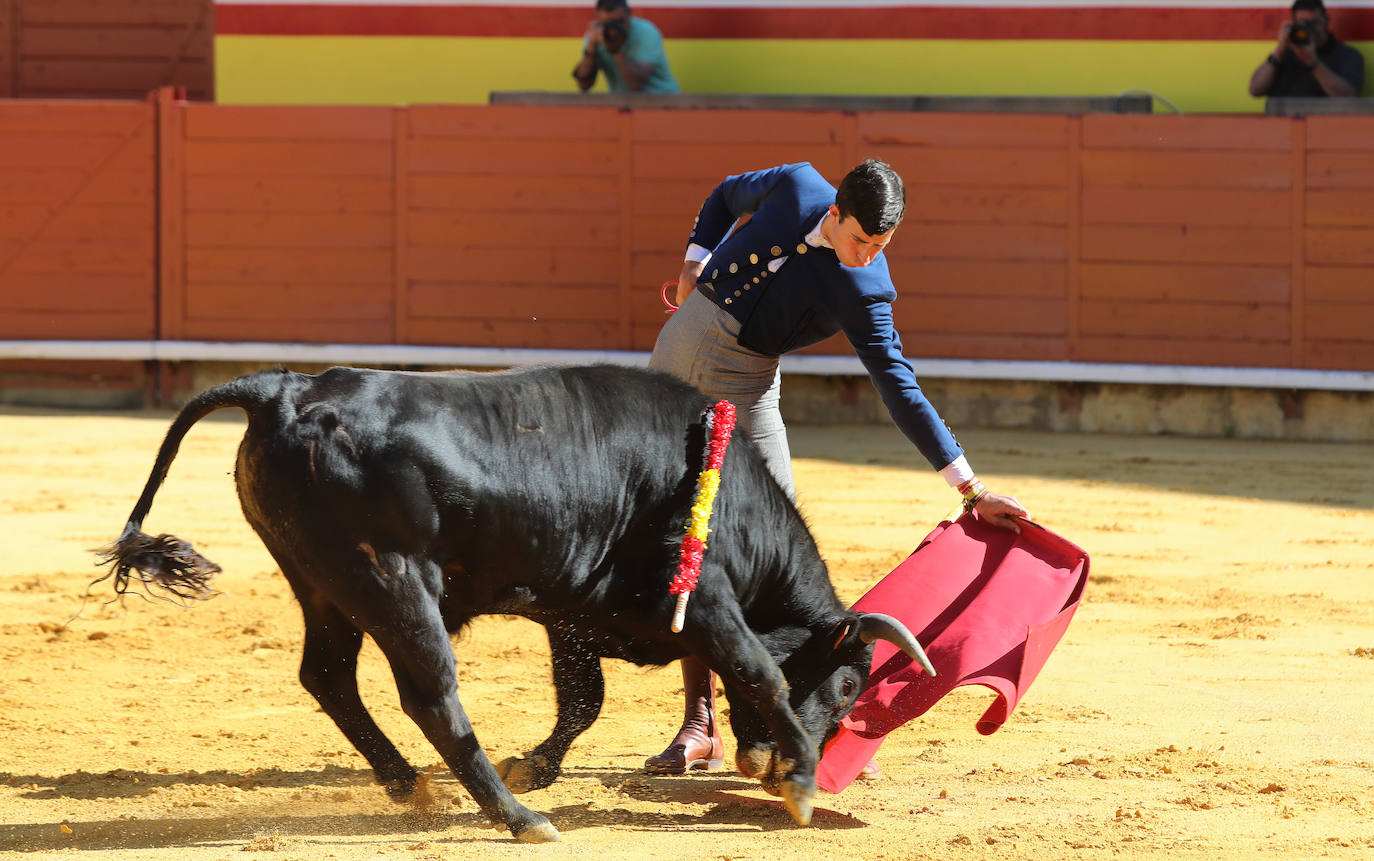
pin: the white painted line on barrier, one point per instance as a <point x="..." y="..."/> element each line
<point x="496" y="357"/>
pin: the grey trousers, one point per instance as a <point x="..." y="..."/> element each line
<point x="700" y="345"/>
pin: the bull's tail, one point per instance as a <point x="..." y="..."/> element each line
<point x="166" y="564"/>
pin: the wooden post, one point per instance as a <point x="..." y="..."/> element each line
<point x="1298" y="226"/>
<point x="9" y="45"/>
<point x="170" y="290"/>
<point x="1074" y="234"/>
<point x="401" y="219"/>
<point x="625" y="318"/>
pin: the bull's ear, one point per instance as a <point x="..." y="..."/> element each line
<point x="879" y="626"/>
<point x="840" y="632"/>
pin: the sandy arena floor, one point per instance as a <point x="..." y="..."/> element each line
<point x="1210" y="700"/>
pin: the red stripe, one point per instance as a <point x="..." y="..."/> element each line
<point x="909" y="22"/>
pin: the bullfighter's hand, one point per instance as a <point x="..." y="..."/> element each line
<point x="1001" y="510"/>
<point x="687" y="280"/>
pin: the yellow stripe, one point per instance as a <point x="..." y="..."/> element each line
<point x="1197" y="77"/>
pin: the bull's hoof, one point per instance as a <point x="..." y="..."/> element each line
<point x="797" y="799"/>
<point x="401" y="789"/>
<point x="521" y="774"/>
<point x="754" y="762"/>
<point x="539" y="832"/>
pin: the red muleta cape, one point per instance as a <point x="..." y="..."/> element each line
<point x="987" y="605"/>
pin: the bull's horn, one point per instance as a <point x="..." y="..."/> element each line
<point x="880" y="626"/>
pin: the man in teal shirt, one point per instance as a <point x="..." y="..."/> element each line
<point x="628" y="50"/>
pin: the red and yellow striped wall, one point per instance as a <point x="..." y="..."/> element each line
<point x="1196" y="56"/>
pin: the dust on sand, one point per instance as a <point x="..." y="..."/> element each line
<point x="1210" y="700"/>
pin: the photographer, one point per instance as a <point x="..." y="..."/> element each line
<point x="1309" y="61"/>
<point x="628" y="50"/>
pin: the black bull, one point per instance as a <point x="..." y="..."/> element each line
<point x="403" y="505"/>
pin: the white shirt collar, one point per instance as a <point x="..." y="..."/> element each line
<point x="815" y="239"/>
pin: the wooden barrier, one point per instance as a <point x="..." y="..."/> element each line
<point x="1207" y="240"/>
<point x="77" y="220"/>
<point x="106" y="49"/>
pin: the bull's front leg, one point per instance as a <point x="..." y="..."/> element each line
<point x="580" y="690"/>
<point x="730" y="648"/>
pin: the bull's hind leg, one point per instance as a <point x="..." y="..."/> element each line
<point x="580" y="689"/>
<point x="329" y="671"/>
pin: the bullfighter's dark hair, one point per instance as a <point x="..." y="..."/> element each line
<point x="1309" y="6"/>
<point x="874" y="194"/>
<point x="612" y="5"/>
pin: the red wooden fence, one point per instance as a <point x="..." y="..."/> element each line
<point x="1211" y="240"/>
<point x="106" y="48"/>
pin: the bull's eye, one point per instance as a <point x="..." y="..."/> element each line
<point x="847" y="688"/>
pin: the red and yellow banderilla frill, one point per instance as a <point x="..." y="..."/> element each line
<point x="720" y="422"/>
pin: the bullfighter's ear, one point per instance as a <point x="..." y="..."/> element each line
<point x="841" y="631"/>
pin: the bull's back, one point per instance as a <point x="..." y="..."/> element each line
<point x="543" y="472"/>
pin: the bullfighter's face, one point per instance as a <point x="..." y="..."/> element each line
<point x="852" y="245"/>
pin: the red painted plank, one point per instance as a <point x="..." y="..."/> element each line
<point x="1233" y="207"/>
<point x="305" y="330"/>
<point x="48" y="256"/>
<point x="957" y="131"/>
<point x="807" y="128"/>
<point x="529" y="304"/>
<point x="977" y="345"/>
<point x="314" y="302"/>
<point x="709" y="162"/>
<point x="477" y="232"/>
<point x="1340" y="355"/>
<point x="585" y="194"/>
<point x="116" y="41"/>
<point x="289" y="194"/>
<point x="514" y="157"/>
<point x="1212" y="351"/>
<point x="1220" y="320"/>
<point x="136" y="323"/>
<point x="532" y="266"/>
<point x="287" y="230"/>
<point x="1182" y="283"/>
<point x="171" y="13"/>
<point x="513" y="122"/>
<point x="977" y="315"/>
<point x="60" y="293"/>
<point x="1340" y="207"/>
<point x="556" y="335"/>
<point x="293" y="265"/>
<point x="1028" y="168"/>
<point x="1240" y="170"/>
<point x="1022" y="279"/>
<point x="990" y="203"/>
<point x="1329" y="245"/>
<point x="1340" y="321"/>
<point x="981" y="242"/>
<point x="118" y="77"/>
<point x="1324" y="283"/>
<point x="45" y="185"/>
<point x="1185" y="244"/>
<point x="345" y="124"/>
<point x="1340" y="170"/>
<point x="1148" y="132"/>
<point x="253" y="158"/>
<point x="1336" y="132"/>
<point x="107" y="118"/>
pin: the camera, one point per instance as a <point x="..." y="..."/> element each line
<point x="1300" y="33"/>
<point x="613" y="32"/>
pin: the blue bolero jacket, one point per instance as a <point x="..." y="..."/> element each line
<point x="812" y="296"/>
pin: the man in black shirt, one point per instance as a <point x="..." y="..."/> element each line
<point x="1309" y="61"/>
